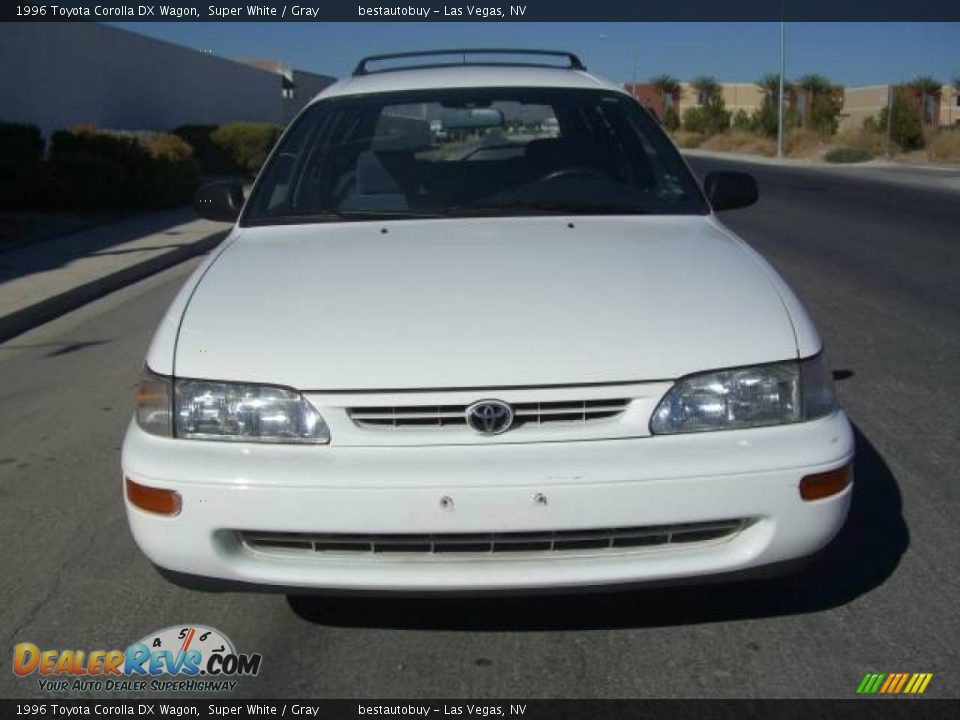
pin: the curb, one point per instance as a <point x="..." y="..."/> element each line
<point x="813" y="164"/>
<point x="27" y="318"/>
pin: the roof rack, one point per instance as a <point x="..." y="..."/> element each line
<point x="574" y="62"/>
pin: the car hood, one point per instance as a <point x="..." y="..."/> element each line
<point x="489" y="302"/>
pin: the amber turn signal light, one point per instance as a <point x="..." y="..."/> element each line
<point x="825" y="484"/>
<point x="155" y="500"/>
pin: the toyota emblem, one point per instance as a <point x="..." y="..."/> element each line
<point x="489" y="417"/>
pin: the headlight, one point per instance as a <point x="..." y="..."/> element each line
<point x="231" y="411"/>
<point x="209" y="410"/>
<point x="773" y="394"/>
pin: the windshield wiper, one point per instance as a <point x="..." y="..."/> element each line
<point x="337" y="215"/>
<point x="384" y="214"/>
<point x="557" y="206"/>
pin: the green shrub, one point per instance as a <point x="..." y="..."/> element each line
<point x="84" y="180"/>
<point x="741" y="121"/>
<point x="247" y="144"/>
<point x="21" y="147"/>
<point x="213" y="158"/>
<point x="20" y="143"/>
<point x="671" y="120"/>
<point x="764" y="120"/>
<point x="848" y="155"/>
<point x="906" y="130"/>
<point x="710" y="118"/>
<point x="174" y="172"/>
<point x="20" y="184"/>
<point x="94" y="169"/>
<point x="825" y="112"/>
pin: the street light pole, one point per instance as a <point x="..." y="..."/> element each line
<point x="782" y="69"/>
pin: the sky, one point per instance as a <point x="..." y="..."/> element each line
<point x="847" y="53"/>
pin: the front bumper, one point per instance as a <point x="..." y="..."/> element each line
<point x="653" y="481"/>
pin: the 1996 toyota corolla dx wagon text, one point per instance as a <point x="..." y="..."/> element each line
<point x="477" y="328"/>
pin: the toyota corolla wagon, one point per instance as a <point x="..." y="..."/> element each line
<point x="478" y="328"/>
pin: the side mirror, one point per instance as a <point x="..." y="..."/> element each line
<point x="730" y="190"/>
<point x="221" y="200"/>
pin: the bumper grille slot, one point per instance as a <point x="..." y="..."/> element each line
<point x="551" y="541"/>
<point x="446" y="416"/>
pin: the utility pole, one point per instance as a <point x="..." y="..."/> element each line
<point x="783" y="36"/>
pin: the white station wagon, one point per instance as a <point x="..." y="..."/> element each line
<point x="478" y="328"/>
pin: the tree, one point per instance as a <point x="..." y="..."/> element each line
<point x="813" y="83"/>
<point x="825" y="104"/>
<point x="769" y="85"/>
<point x="926" y="86"/>
<point x="906" y="130"/>
<point x="710" y="116"/>
<point x="668" y="87"/>
<point x="765" y="118"/>
<point x="707" y="88"/>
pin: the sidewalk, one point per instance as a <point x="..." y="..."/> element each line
<point x="934" y="177"/>
<point x="45" y="279"/>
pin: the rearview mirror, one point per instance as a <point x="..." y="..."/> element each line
<point x="221" y="200"/>
<point x="727" y="190"/>
<point x="470" y="118"/>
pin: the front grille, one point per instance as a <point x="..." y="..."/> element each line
<point x="451" y="416"/>
<point x="554" y="541"/>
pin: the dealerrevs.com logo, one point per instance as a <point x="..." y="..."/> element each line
<point x="181" y="658"/>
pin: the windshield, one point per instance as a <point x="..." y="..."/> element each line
<point x="474" y="152"/>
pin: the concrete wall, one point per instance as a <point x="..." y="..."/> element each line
<point x="742" y="96"/>
<point x="859" y="103"/>
<point x="736" y="96"/>
<point x="949" y="106"/>
<point x="59" y="74"/>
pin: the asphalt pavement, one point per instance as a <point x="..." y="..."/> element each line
<point x="878" y="266"/>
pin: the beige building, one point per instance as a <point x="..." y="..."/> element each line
<point x="949" y="106"/>
<point x="860" y="103"/>
<point x="736" y="96"/>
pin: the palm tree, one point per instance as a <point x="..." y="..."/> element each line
<point x="769" y="85"/>
<point x="667" y="85"/>
<point x="813" y="83"/>
<point x="707" y="88"/>
<point x="817" y="93"/>
<point x="927" y="86"/>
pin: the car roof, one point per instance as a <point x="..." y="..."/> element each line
<point x="467" y="76"/>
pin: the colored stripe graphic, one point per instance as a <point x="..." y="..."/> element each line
<point x="870" y="683"/>
<point x="892" y="679"/>
<point x="894" y="683"/>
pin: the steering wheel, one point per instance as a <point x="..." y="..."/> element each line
<point x="575" y="171"/>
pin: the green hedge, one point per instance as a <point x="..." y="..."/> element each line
<point x="21" y="149"/>
<point x="20" y="143"/>
<point x="213" y="158"/>
<point x="247" y="144"/>
<point x="92" y="169"/>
